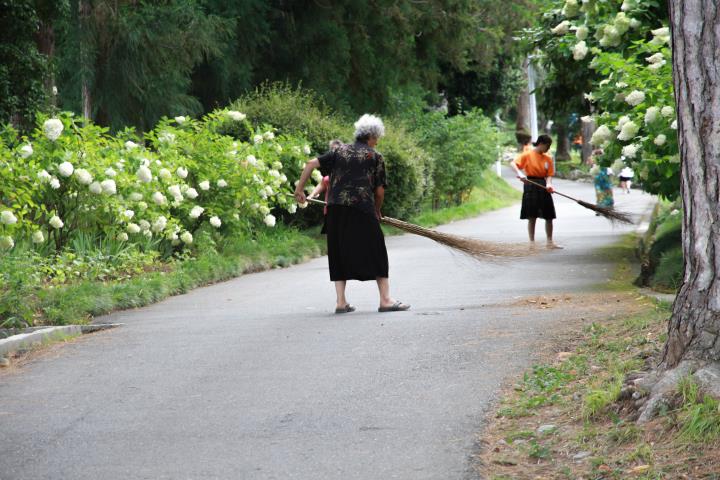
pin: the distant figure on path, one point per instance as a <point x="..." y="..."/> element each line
<point x="356" y="245"/>
<point x="626" y="176"/>
<point x="537" y="166"/>
<point x="604" y="188"/>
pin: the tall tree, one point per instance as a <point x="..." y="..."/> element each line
<point x="694" y="332"/>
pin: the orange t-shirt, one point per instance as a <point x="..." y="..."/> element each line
<point x="527" y="148"/>
<point x="535" y="164"/>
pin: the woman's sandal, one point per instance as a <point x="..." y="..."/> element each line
<point x="346" y="309"/>
<point x="395" y="307"/>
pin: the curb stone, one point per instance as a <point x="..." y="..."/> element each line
<point x="25" y="341"/>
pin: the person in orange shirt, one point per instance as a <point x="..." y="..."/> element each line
<point x="536" y="165"/>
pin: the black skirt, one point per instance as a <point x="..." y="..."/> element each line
<point x="356" y="245"/>
<point x="537" y="202"/>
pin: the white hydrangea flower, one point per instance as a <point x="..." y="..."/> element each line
<point x="283" y="178"/>
<point x="174" y="190"/>
<point x="166" y="137"/>
<point x="196" y="211"/>
<point x="128" y="214"/>
<point x="26" y="150"/>
<point x="180" y="120"/>
<point x="263" y="209"/>
<point x="629" y="130"/>
<point x="96" y="188"/>
<point x="268" y="135"/>
<point x="660" y="140"/>
<point x="251" y="160"/>
<point x="269" y="191"/>
<point x="628" y="5"/>
<point x="657" y="58"/>
<point x="54" y="183"/>
<point x="636" y="97"/>
<point x="269" y="220"/>
<point x="6" y="242"/>
<point x="159" y="224"/>
<point x="147" y="233"/>
<point x="601" y="136"/>
<point x="66" y="169"/>
<point x="130" y="145"/>
<point x="635" y="23"/>
<point x="38" y="237"/>
<point x="292" y="208"/>
<point x="142" y="206"/>
<point x="570" y="9"/>
<point x="164" y="174"/>
<point x="108" y="187"/>
<point x="306" y="150"/>
<point x="667" y="111"/>
<point x="159" y="198"/>
<point x="145" y="162"/>
<point x="580" y="50"/>
<point x="186" y="237"/>
<point x="561" y="28"/>
<point x="135" y="196"/>
<point x="258" y="139"/>
<point x="144" y="174"/>
<point x="204" y="185"/>
<point x="629" y="151"/>
<point x="53" y="128"/>
<point x="661" y="36"/>
<point x="7" y="217"/>
<point x="582" y="32"/>
<point x="110" y="172"/>
<point x="182" y="172"/>
<point x="123" y="237"/>
<point x="622" y="121"/>
<point x="222" y="183"/>
<point x="236" y="116"/>
<point x="278" y="148"/>
<point x="651" y="114"/>
<point x="674" y="125"/>
<point x="144" y="225"/>
<point x="43" y="176"/>
<point x="657" y="66"/>
<point x="191" y="193"/>
<point x="274" y="173"/>
<point x="55" y="222"/>
<point x="215" y="222"/>
<point x="317" y="176"/>
<point x="133" y="228"/>
<point x="83" y="176"/>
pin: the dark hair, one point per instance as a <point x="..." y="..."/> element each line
<point x="544" y="139"/>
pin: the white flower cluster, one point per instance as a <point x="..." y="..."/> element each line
<point x="580" y="50"/>
<point x="661" y="36"/>
<point x="561" y="28"/>
<point x="634" y="98"/>
<point x="53" y="128"/>
<point x="628" y="131"/>
<point x="601" y="136"/>
<point x="656" y="61"/>
<point x="236" y="116"/>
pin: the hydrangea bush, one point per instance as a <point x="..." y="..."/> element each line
<point x="624" y="46"/>
<point x="70" y="177"/>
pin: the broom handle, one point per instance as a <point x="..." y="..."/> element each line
<point x="561" y="194"/>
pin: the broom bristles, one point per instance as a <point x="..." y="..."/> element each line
<point x="609" y="213"/>
<point x="470" y="246"/>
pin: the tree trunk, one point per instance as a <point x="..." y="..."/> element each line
<point x="587" y="130"/>
<point x="45" y="40"/>
<point x="694" y="329"/>
<point x="84" y="10"/>
<point x="562" y="153"/>
<point x="522" y="122"/>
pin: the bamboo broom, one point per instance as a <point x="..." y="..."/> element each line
<point x="475" y="248"/>
<point x="609" y="213"/>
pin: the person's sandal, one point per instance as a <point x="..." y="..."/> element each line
<point x="395" y="307"/>
<point x="346" y="309"/>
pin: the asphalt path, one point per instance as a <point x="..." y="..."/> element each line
<point x="256" y="378"/>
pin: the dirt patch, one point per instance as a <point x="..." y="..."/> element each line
<point x="562" y="420"/>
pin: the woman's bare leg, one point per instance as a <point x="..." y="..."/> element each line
<point x="340" y="293"/>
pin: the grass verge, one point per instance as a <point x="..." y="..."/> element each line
<point x="80" y="301"/>
<point x="568" y="418"/>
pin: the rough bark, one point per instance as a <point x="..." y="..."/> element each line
<point x="694" y="329"/>
<point x="45" y="40"/>
<point x="85" y="9"/>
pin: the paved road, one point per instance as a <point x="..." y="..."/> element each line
<point x="255" y="378"/>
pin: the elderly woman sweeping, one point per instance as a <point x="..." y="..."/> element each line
<point x="356" y="246"/>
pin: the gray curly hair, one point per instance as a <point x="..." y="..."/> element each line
<point x="369" y="126"/>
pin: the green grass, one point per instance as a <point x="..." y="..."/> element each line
<point x="669" y="271"/>
<point x="491" y="193"/>
<point x="700" y="414"/>
<point x="77" y="302"/>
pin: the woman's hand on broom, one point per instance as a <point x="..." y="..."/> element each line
<point x="300" y="197"/>
<point x="550" y="189"/>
